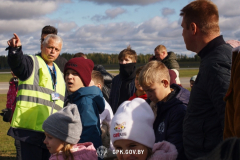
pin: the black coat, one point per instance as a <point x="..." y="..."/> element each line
<point x="204" y="121"/>
<point x="168" y="123"/>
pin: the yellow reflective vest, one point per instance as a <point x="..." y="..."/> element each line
<point x="34" y="102"/>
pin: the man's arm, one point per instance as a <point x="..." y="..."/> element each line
<point x="217" y="86"/>
<point x="21" y="65"/>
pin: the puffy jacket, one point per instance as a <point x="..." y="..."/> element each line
<point x="90" y="103"/>
<point x="171" y="61"/>
<point x="80" y="151"/>
<point x="170" y="114"/>
<point x="204" y="121"/>
<point x="106" y="89"/>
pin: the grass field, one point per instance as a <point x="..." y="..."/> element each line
<point x="7" y="148"/>
<point x="182" y="73"/>
<point x="5" y="77"/>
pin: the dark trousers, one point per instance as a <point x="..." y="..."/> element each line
<point x="18" y="149"/>
<point x="33" y="152"/>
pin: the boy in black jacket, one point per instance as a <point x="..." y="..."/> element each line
<point x="123" y="85"/>
<point x="171" y="102"/>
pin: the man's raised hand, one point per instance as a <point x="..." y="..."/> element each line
<point x="14" y="41"/>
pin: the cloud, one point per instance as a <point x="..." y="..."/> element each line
<point x="124" y="2"/>
<point x="167" y="11"/>
<point x="21" y="10"/>
<point x="228" y="8"/>
<point x="109" y="14"/>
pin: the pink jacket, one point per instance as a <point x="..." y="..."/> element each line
<point x="80" y="151"/>
<point x="164" y="151"/>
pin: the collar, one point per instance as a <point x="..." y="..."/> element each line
<point x="211" y="46"/>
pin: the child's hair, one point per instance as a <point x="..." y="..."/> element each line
<point x="150" y="153"/>
<point x="66" y="151"/>
<point x="128" y="52"/>
<point x="139" y="69"/>
<point x="153" y="71"/>
<point x="160" y="48"/>
<point x="80" y="54"/>
<point x="97" y="78"/>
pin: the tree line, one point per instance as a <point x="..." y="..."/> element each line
<point x="104" y="58"/>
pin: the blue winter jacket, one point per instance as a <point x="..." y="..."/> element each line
<point x="90" y="103"/>
<point x="168" y="124"/>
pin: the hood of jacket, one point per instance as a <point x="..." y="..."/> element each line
<point x="170" y="56"/>
<point x="91" y="92"/>
<point x="181" y="96"/>
<point x="80" y="151"/>
<point x="106" y="76"/>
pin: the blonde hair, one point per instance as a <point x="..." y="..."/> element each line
<point x="66" y="152"/>
<point x="160" y="48"/>
<point x="97" y="78"/>
<point x="128" y="52"/>
<point x="153" y="71"/>
<point x="204" y="14"/>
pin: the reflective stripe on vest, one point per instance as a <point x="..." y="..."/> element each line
<point x="34" y="103"/>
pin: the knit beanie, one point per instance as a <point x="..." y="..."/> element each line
<point x="133" y="121"/>
<point x="82" y="66"/>
<point x="65" y="124"/>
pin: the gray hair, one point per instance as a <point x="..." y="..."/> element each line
<point x="52" y="36"/>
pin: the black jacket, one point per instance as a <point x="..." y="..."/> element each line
<point x="204" y="121"/>
<point x="168" y="123"/>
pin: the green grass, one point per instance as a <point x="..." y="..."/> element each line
<point x="5" y="77"/>
<point x="188" y="72"/>
<point x="183" y="72"/>
<point x="7" y="148"/>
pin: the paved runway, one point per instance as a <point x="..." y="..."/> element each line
<point x="5" y="85"/>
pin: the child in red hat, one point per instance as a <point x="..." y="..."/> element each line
<point x="89" y="100"/>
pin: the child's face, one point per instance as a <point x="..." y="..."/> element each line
<point x="159" y="54"/>
<point x="126" y="60"/>
<point x="53" y="144"/>
<point x="137" y="85"/>
<point x="156" y="92"/>
<point x="130" y="146"/>
<point x="191" y="83"/>
<point x="73" y="80"/>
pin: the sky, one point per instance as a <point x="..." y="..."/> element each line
<point x="106" y="26"/>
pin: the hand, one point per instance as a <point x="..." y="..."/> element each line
<point x="14" y="41"/>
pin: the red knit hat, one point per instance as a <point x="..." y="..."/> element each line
<point x="82" y="66"/>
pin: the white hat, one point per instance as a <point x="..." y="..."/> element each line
<point x="134" y="121"/>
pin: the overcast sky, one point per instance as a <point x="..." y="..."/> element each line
<point x="106" y="26"/>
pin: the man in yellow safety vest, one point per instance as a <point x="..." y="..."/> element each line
<point x="41" y="92"/>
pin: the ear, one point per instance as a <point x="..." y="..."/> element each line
<point x="99" y="86"/>
<point x="41" y="46"/>
<point x="165" y="83"/>
<point x="193" y="28"/>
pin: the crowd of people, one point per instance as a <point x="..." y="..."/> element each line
<point x="72" y="110"/>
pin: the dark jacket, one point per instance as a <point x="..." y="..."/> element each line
<point x="171" y="61"/>
<point x="168" y="123"/>
<point x="204" y="121"/>
<point x="106" y="89"/>
<point x="115" y="92"/>
<point x="90" y="103"/>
